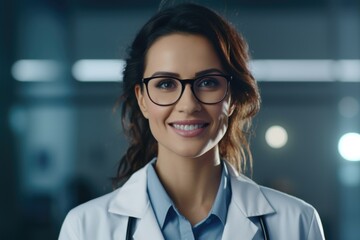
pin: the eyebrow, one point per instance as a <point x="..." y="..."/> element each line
<point x="163" y="73"/>
<point x="172" y="74"/>
<point x="208" y="71"/>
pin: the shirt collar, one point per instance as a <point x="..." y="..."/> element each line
<point x="161" y="202"/>
<point x="223" y="196"/>
<point x="159" y="198"/>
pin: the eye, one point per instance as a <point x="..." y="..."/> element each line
<point x="165" y="83"/>
<point x="208" y="82"/>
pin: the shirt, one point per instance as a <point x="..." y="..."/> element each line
<point x="173" y="225"/>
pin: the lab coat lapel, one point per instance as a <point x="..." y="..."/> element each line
<point x="247" y="202"/>
<point x="237" y="225"/>
<point x="132" y="200"/>
<point x="148" y="227"/>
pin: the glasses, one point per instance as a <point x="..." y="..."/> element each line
<point x="207" y="89"/>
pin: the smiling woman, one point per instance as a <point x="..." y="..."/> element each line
<point x="188" y="101"/>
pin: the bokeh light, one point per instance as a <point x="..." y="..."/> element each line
<point x="276" y="136"/>
<point x="349" y="146"/>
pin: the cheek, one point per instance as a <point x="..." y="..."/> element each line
<point x="156" y="114"/>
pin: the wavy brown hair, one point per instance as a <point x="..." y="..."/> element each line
<point x="231" y="49"/>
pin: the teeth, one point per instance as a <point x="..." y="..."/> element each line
<point x="188" y="127"/>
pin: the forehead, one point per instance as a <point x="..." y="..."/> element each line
<point x="184" y="54"/>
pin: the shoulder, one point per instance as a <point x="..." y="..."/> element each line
<point x="282" y="202"/>
<point x="279" y="201"/>
<point x="246" y="189"/>
<point x="125" y="195"/>
<point x="87" y="219"/>
<point x="300" y="218"/>
<point x="95" y="206"/>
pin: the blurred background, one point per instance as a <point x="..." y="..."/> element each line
<point x="60" y="78"/>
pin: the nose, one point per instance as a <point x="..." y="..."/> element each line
<point x="188" y="102"/>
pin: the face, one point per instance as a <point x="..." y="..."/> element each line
<point x="187" y="128"/>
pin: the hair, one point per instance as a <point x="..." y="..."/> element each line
<point x="232" y="51"/>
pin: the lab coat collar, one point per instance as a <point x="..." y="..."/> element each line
<point x="247" y="201"/>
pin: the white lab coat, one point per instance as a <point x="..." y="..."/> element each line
<point x="106" y="217"/>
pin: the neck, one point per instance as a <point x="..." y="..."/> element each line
<point x="191" y="183"/>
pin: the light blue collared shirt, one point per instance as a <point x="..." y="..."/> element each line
<point x="173" y="225"/>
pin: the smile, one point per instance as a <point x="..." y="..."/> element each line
<point x="188" y="127"/>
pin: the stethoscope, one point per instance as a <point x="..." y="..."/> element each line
<point x="132" y="220"/>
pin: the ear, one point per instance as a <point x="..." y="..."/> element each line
<point x="231" y="109"/>
<point x="232" y="106"/>
<point x="141" y="100"/>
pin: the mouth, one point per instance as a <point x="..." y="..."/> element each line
<point x="188" y="127"/>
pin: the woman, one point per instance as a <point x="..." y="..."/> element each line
<point x="188" y="101"/>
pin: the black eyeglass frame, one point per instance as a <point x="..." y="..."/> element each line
<point x="190" y="81"/>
